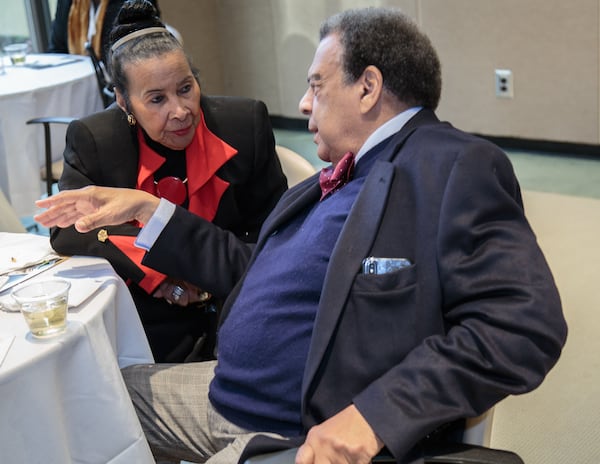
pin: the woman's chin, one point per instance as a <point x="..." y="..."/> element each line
<point x="178" y="143"/>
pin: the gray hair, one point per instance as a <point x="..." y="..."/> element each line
<point x="131" y="45"/>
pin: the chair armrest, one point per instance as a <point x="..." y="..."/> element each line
<point x="460" y="453"/>
<point x="439" y="454"/>
<point x="50" y="119"/>
<point x="287" y="456"/>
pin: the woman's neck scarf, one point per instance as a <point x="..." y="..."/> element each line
<point x="204" y="157"/>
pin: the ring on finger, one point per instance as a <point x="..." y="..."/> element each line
<point x="177" y="293"/>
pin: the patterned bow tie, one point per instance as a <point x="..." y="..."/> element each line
<point x="332" y="179"/>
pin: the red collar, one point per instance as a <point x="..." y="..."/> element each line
<point x="203" y="157"/>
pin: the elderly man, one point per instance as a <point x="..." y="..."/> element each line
<point x="407" y="295"/>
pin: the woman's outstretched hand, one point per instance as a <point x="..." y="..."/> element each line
<point x="91" y="207"/>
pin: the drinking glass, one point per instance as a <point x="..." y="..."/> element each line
<point x="44" y="306"/>
<point x="17" y="53"/>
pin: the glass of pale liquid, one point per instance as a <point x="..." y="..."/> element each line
<point x="44" y="306"/>
<point x="17" y="53"/>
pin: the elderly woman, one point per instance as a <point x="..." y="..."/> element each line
<point x="214" y="156"/>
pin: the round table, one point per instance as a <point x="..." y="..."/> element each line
<point x="64" y="399"/>
<point x="49" y="85"/>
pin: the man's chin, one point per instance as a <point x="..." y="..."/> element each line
<point x="324" y="155"/>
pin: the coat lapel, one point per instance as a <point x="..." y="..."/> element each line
<point x="352" y="245"/>
<point x="294" y="200"/>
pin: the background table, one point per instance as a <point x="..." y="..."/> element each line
<point x="68" y="90"/>
<point x="63" y="400"/>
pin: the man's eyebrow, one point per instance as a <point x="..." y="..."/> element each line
<point x="313" y="77"/>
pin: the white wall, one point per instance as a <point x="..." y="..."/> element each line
<point x="262" y="49"/>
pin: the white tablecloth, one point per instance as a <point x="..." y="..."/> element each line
<point x="63" y="400"/>
<point x="68" y="90"/>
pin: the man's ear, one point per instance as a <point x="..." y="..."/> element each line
<point x="371" y="81"/>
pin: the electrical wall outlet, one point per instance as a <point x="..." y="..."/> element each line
<point x="504" y="83"/>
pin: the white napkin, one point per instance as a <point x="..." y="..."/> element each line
<point x="82" y="288"/>
<point x="85" y="280"/>
<point x="48" y="60"/>
<point x="21" y="250"/>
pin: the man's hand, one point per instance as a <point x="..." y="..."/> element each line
<point x="344" y="438"/>
<point x="91" y="207"/>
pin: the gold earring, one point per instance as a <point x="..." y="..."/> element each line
<point x="131" y="119"/>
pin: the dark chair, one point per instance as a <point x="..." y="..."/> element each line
<point x="442" y="454"/>
<point x="471" y="448"/>
<point x="51" y="171"/>
<point x="104" y="83"/>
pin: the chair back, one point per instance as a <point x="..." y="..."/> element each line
<point x="9" y="221"/>
<point x="295" y="167"/>
<point x="105" y="88"/>
<point x="559" y="422"/>
<point x="478" y="429"/>
<point x="51" y="171"/>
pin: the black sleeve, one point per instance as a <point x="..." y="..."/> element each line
<point x="87" y="162"/>
<point x="195" y="250"/>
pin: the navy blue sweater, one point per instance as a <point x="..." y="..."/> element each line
<point x="263" y="343"/>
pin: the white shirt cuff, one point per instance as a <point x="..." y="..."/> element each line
<point x="155" y="225"/>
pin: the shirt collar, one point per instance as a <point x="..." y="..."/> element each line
<point x="387" y="129"/>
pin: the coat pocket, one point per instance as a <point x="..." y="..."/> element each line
<point x="380" y="320"/>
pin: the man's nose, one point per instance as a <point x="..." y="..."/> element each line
<point x="305" y="105"/>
